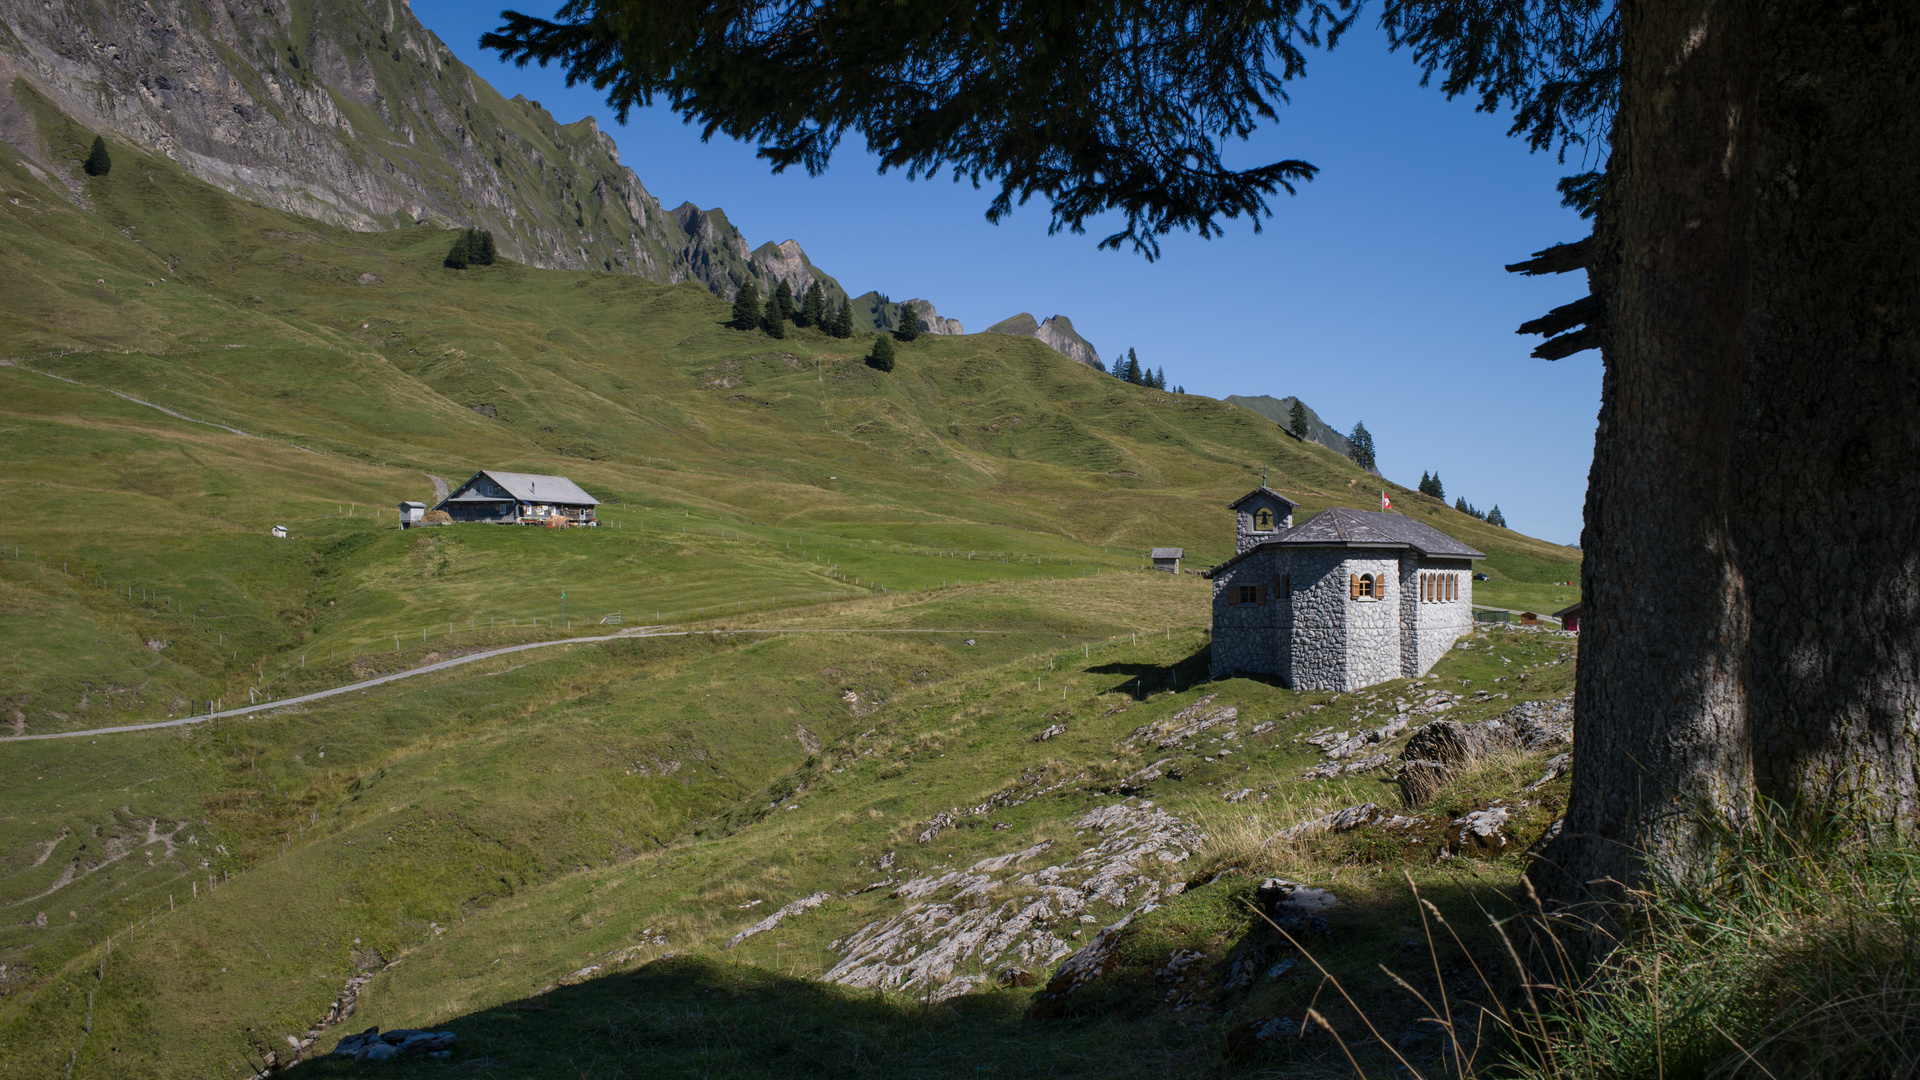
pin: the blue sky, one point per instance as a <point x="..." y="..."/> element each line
<point x="1376" y="294"/>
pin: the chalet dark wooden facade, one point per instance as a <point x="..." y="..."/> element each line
<point x="509" y="498"/>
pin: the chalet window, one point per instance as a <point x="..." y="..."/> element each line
<point x="1362" y="586"/>
<point x="1249" y="594"/>
<point x="1263" y="520"/>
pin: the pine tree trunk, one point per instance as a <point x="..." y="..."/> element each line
<point x="1752" y="575"/>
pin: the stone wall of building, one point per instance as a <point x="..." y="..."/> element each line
<point x="1373" y="626"/>
<point x="1247" y="637"/>
<point x="1318" y="619"/>
<point x="1315" y="636"/>
<point x="1409" y="574"/>
<point x="1440" y="623"/>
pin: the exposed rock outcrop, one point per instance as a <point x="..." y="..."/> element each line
<point x="1057" y="333"/>
<point x="992" y="913"/>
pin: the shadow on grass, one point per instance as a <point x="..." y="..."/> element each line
<point x="1141" y="680"/>
<point x="699" y="1018"/>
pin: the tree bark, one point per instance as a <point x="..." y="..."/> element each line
<point x="1752" y="536"/>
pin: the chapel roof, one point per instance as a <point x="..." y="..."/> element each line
<point x="1340" y="527"/>
<point x="1261" y="490"/>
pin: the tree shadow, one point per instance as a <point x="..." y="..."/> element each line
<point x="691" y="1016"/>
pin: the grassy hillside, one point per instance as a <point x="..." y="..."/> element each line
<point x="185" y="370"/>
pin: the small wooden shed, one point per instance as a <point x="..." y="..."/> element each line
<point x="1168" y="559"/>
<point x="411" y="513"/>
<point x="1569" y="617"/>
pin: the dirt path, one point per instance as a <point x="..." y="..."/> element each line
<point x="636" y="632"/>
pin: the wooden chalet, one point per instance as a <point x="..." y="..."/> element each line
<point x="509" y="498"/>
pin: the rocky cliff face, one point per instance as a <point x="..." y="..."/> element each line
<point x="354" y="113"/>
<point x="873" y="311"/>
<point x="1057" y="332"/>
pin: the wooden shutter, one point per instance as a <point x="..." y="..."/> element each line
<point x="1353" y="586"/>
<point x="1453" y="586"/>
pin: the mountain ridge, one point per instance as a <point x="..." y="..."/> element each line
<point x="358" y="115"/>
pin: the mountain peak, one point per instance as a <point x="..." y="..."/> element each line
<point x="1056" y="332"/>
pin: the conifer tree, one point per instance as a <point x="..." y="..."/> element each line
<point x="909" y="321"/>
<point x="1495" y="517"/>
<point x="1439" y="489"/>
<point x="782" y="301"/>
<point x="99" y="162"/>
<point x="843" y="320"/>
<point x="1361" y="446"/>
<point x="461" y="254"/>
<point x="1130" y="371"/>
<point x="1297" y="419"/>
<point x="882" y="356"/>
<point x="1160" y="378"/>
<point x="746" y="307"/>
<point x="772" y="323"/>
<point x="813" y="307"/>
<point x="483" y="249"/>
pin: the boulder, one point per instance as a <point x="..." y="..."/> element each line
<point x="1096" y="960"/>
<point x="1293" y="907"/>
<point x="1444" y="749"/>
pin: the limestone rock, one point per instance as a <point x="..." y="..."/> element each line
<point x="1056" y="333"/>
<point x="805" y="903"/>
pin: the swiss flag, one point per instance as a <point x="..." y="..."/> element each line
<point x="1385" y="503"/>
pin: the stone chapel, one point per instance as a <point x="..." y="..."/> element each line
<point x="1348" y="599"/>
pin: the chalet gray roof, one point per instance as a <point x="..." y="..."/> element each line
<point x="527" y="488"/>
<point x="1340" y="527"/>
<point x="1169" y="553"/>
<point x="1261" y="490"/>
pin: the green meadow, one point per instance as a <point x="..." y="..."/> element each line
<point x="892" y="583"/>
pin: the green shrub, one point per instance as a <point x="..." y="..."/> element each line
<point x="881" y="358"/>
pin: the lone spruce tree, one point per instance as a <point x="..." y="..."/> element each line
<point x="881" y="358"/>
<point x="782" y="301"/>
<point x="1297" y="420"/>
<point x="1360" y="446"/>
<point x="484" y="252"/>
<point x="909" y="321"/>
<point x="99" y="162"/>
<point x="746" y="307"/>
<point x="1495" y="517"/>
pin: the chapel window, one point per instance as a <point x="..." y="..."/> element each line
<point x="1362" y="586"/>
<point x="1249" y="594"/>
